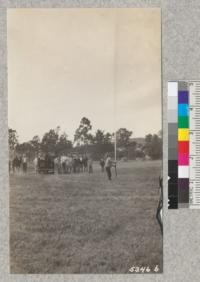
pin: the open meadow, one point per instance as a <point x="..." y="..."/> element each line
<point x="81" y="223"/>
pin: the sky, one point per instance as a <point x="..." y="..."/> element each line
<point x="65" y="64"/>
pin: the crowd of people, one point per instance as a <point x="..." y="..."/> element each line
<point x="17" y="163"/>
<point x="73" y="164"/>
<point x="63" y="164"/>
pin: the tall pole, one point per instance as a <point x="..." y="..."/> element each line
<point x="115" y="81"/>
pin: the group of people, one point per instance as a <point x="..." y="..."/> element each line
<point x="63" y="164"/>
<point x="18" y="163"/>
<point x="73" y="164"/>
<point x="82" y="163"/>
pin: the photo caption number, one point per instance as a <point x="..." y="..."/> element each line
<point x="156" y="268"/>
<point x="144" y="269"/>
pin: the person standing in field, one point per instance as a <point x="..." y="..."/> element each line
<point x="63" y="163"/>
<point x="102" y="164"/>
<point x="108" y="165"/>
<point x="90" y="165"/>
<point x="35" y="161"/>
<point x="24" y="163"/>
<point x="85" y="163"/>
<point x="81" y="163"/>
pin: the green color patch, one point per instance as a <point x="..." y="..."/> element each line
<point x="183" y="122"/>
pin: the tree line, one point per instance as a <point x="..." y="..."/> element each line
<point x="55" y="142"/>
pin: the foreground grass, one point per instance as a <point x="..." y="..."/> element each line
<point x="84" y="223"/>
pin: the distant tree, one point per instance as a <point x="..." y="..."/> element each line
<point x="90" y="138"/>
<point x="148" y="141"/>
<point x="131" y="150"/>
<point x="26" y="148"/>
<point x="50" y="140"/>
<point x="63" y="144"/>
<point x="140" y="151"/>
<point x="12" y="139"/>
<point x="99" y="137"/>
<point x="36" y="143"/>
<point x="123" y="137"/>
<point x="160" y="133"/>
<point x="153" y="146"/>
<point x="83" y="135"/>
<point x="107" y="138"/>
<point x="148" y="145"/>
<point x="97" y="151"/>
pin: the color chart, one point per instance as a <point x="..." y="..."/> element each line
<point x="172" y="145"/>
<point x="184" y="144"/>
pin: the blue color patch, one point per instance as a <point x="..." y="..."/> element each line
<point x="183" y="110"/>
<point x="183" y="97"/>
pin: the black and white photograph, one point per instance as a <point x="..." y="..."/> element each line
<point x="85" y="140"/>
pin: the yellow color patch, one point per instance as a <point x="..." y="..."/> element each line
<point x="183" y="134"/>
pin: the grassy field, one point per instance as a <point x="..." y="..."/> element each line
<point x="84" y="223"/>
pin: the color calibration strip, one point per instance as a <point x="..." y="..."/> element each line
<point x="172" y="145"/>
<point x="184" y="144"/>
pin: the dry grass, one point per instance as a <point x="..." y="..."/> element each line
<point x="84" y="223"/>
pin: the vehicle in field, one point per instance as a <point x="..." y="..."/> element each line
<point x="45" y="164"/>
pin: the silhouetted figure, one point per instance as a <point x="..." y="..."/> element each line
<point x="16" y="164"/>
<point x="90" y="165"/>
<point x="24" y="163"/>
<point x="102" y="164"/>
<point x="108" y="165"/>
<point x="85" y="163"/>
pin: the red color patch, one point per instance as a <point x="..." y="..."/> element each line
<point x="183" y="147"/>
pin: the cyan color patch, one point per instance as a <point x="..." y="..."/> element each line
<point x="183" y="109"/>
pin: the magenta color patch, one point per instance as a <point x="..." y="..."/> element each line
<point x="183" y="159"/>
